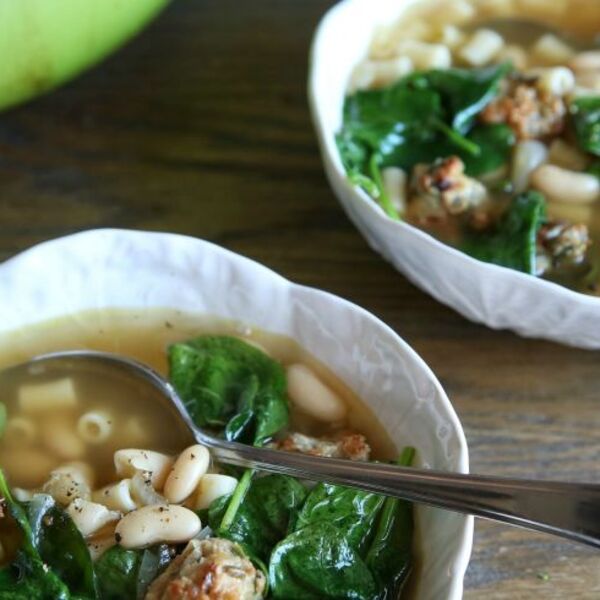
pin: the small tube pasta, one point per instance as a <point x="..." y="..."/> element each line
<point x="79" y="470"/>
<point x="451" y="36"/>
<point x="563" y="185"/>
<point x="453" y="12"/>
<point x="312" y="396"/>
<point x="425" y="56"/>
<point x="371" y="73"/>
<point x="90" y="517"/>
<point x="157" y="524"/>
<point x="186" y="473"/>
<point x="128" y="462"/>
<point x="528" y="156"/>
<point x="95" y="427"/>
<point x="550" y="50"/>
<point x="395" y="182"/>
<point x="136" y="432"/>
<point x="116" y="497"/>
<point x="482" y="48"/>
<point x="47" y="397"/>
<point x="513" y="54"/>
<point x="58" y="435"/>
<point x="19" y="432"/>
<point x="211" y="487"/>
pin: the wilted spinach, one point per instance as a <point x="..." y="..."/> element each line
<point x="2" y="418"/>
<point x="126" y="574"/>
<point x="585" y="113"/>
<point x="513" y="242"/>
<point x="422" y="117"/>
<point x="230" y="385"/>
<point x="390" y="553"/>
<point x="317" y="562"/>
<point x="264" y="517"/>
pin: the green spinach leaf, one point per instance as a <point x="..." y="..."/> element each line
<point x="263" y="519"/>
<point x="390" y="553"/>
<point x="2" y="418"/>
<point x="117" y="572"/>
<point x="230" y="385"/>
<point x="513" y="243"/>
<point x="585" y="113"/>
<point x="317" y="563"/>
<point x="61" y="546"/>
<point x="495" y="142"/>
<point x="352" y="512"/>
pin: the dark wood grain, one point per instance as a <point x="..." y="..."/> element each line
<point x="201" y="126"/>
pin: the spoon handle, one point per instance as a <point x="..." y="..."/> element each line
<point x="569" y="510"/>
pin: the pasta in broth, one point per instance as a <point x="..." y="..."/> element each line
<point x="131" y="479"/>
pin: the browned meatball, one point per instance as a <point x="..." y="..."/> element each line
<point x="211" y="569"/>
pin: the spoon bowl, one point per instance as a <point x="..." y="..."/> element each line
<point x="569" y="510"/>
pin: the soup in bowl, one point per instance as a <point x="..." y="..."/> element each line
<point x="107" y="495"/>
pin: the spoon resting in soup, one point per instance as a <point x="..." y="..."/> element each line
<point x="106" y="496"/>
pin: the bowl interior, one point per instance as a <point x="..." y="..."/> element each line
<point x="142" y="271"/>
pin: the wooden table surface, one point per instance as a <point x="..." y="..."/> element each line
<point x="201" y="126"/>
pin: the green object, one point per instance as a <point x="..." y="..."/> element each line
<point x="317" y="563"/>
<point x="420" y="118"/>
<point x="230" y="385"/>
<point x="44" y="43"/>
<point x="27" y="577"/>
<point x="352" y="512"/>
<point x="390" y="553"/>
<point x="496" y="143"/>
<point x="585" y="112"/>
<point x="2" y="418"/>
<point x="61" y="546"/>
<point x="264" y="517"/>
<point x="117" y="572"/>
<point x="513" y="243"/>
<point x="593" y="169"/>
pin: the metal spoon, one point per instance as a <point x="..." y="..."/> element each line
<point x="569" y="510"/>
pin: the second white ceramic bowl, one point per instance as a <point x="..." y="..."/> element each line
<point x="496" y="296"/>
<point x="110" y="269"/>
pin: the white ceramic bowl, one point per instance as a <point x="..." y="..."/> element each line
<point x="124" y="269"/>
<point x="496" y="296"/>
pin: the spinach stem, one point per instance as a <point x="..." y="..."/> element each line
<point x="456" y="138"/>
<point x="236" y="499"/>
<point x="384" y="199"/>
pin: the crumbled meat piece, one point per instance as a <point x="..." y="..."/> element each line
<point x="348" y="445"/>
<point x="444" y="182"/>
<point x="531" y="113"/>
<point x="565" y="244"/>
<point x="211" y="569"/>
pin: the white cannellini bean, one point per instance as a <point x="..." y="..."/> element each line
<point x="211" y="487"/>
<point x="312" y="396"/>
<point x="80" y="471"/>
<point x="558" y="81"/>
<point x="19" y="432"/>
<point x="567" y="156"/>
<point x="90" y="517"/>
<point x="562" y="185"/>
<point x="395" y="183"/>
<point x="516" y="55"/>
<point x="67" y="485"/>
<point x="527" y="157"/>
<point x="186" y="473"/>
<point x="549" y="49"/>
<point x="150" y="525"/>
<point x="451" y="36"/>
<point x="128" y="462"/>
<point x="586" y="61"/>
<point x="95" y="427"/>
<point x="116" y="496"/>
<point x="58" y="435"/>
<point x="425" y="56"/>
<point x="47" y="397"/>
<point x="482" y="48"/>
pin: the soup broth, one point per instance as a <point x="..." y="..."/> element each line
<point x="38" y="438"/>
